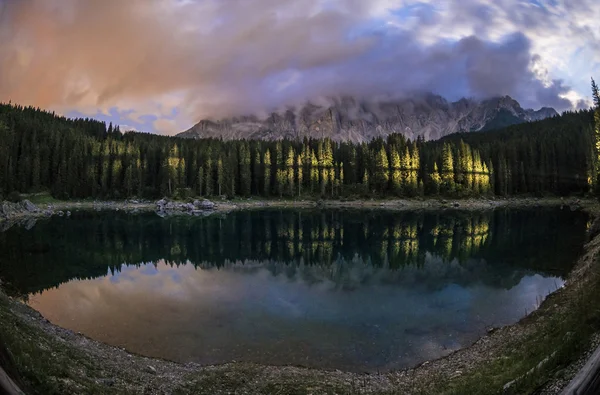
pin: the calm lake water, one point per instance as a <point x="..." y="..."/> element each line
<point x="336" y="289"/>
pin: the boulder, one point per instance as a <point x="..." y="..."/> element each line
<point x="161" y="202"/>
<point x="8" y="209"/>
<point x="27" y="205"/>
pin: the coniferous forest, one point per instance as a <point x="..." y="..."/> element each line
<point x="80" y="158"/>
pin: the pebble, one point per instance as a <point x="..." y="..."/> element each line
<point x="107" y="382"/>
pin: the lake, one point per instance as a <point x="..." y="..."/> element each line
<point x="336" y="289"/>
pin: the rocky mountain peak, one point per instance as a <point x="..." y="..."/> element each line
<point x="348" y="118"/>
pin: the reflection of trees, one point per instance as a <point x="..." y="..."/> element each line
<point x="58" y="250"/>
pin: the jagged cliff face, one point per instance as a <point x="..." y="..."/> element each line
<point x="349" y="119"/>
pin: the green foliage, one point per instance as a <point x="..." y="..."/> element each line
<point x="83" y="158"/>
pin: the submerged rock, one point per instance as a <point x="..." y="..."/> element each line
<point x="161" y="213"/>
<point x="29" y="223"/>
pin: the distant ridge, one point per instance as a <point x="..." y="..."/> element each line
<point x="349" y="119"/>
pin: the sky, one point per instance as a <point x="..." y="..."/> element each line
<point x="162" y="65"/>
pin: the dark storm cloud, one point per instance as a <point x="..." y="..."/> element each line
<point x="209" y="58"/>
<point x="399" y="66"/>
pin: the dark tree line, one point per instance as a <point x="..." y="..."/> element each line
<point x="85" y="158"/>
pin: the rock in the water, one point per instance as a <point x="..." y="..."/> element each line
<point x="30" y="223"/>
<point x="68" y="213"/>
<point x="161" y="202"/>
<point x="161" y="213"/>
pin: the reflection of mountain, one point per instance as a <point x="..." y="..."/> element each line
<point x="346" y="248"/>
<point x="433" y="274"/>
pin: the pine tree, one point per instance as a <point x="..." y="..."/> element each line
<point x="314" y="171"/>
<point x="245" y="170"/>
<point x="299" y="171"/>
<point x="267" y="172"/>
<point x="220" y="176"/>
<point x="381" y="176"/>
<point x="395" y="167"/>
<point x="436" y="180"/>
<point x="209" y="184"/>
<point x="447" y="170"/>
<point x="365" y="182"/>
<point x="200" y="182"/>
<point x="256" y="173"/>
<point x="289" y="168"/>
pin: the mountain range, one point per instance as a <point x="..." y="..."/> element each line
<point x="350" y="119"/>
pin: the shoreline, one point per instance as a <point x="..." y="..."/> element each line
<point x="61" y="208"/>
<point x="107" y="369"/>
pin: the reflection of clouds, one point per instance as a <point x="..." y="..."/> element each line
<point x="385" y="320"/>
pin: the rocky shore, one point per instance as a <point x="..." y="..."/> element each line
<point x="27" y="211"/>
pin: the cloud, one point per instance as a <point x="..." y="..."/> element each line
<point x="181" y="61"/>
<point x="166" y="126"/>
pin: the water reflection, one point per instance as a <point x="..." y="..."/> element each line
<point x="334" y="289"/>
